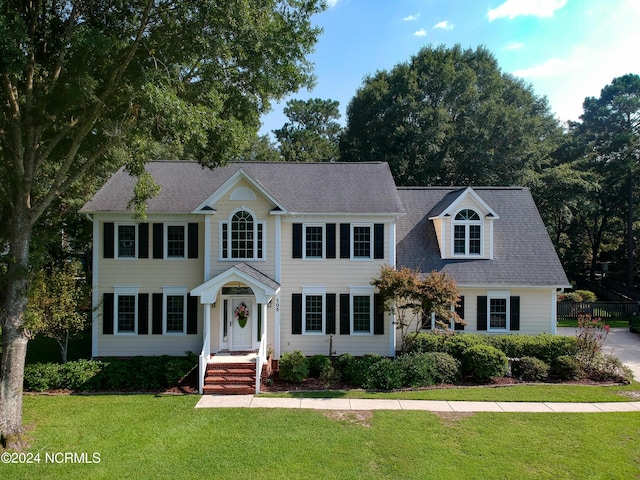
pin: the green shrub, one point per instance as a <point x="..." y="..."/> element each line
<point x="567" y="367"/>
<point x="345" y="366"/>
<point x="293" y="366"/>
<point x="361" y="368"/>
<point x="607" y="368"/>
<point x="320" y="367"/>
<point x="545" y="347"/>
<point x="384" y="374"/>
<point x="446" y="368"/>
<point x="456" y="345"/>
<point x="39" y="377"/>
<point x="483" y="362"/>
<point x="424" y="342"/>
<point x="79" y="374"/>
<point x="530" y="369"/>
<point x="424" y="369"/>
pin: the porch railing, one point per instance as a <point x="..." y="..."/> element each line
<point x="204" y="357"/>
<point x="261" y="360"/>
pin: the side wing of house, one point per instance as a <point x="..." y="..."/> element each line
<point x="493" y="243"/>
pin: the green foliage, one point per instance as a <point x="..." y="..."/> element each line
<point x="607" y="368"/>
<point x="530" y="369"/>
<point x="320" y="367"/>
<point x="293" y="366"/>
<point x="449" y="116"/>
<point x="312" y="132"/>
<point x="346" y="366"/>
<point x="384" y="374"/>
<point x="446" y="368"/>
<point x="483" y="362"/>
<point x="590" y="337"/>
<point x="567" y="367"/>
<point x="424" y="369"/>
<point x="578" y="296"/>
<point x="111" y="374"/>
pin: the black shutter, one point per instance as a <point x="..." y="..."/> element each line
<point x="378" y="315"/>
<point x="482" y="313"/>
<point x="259" y="323"/>
<point x="156" y="313"/>
<point x="331" y="240"/>
<point x="297" y="240"/>
<point x="107" y="314"/>
<point x="192" y="314"/>
<point x="192" y="238"/>
<point x="143" y="313"/>
<point x="108" y="240"/>
<point x="345" y="327"/>
<point x="158" y="240"/>
<point x="296" y="313"/>
<point x="515" y="313"/>
<point x="460" y="312"/>
<point x="331" y="313"/>
<point x="378" y="240"/>
<point x="143" y="240"/>
<point x="345" y="240"/>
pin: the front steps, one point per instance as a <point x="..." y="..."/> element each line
<point x="231" y="376"/>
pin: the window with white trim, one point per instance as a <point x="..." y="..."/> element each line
<point x="126" y="240"/>
<point x="125" y="310"/>
<point x="361" y="310"/>
<point x="176" y="240"/>
<point x="175" y="310"/>
<point x="498" y="307"/>
<point x="313" y="310"/>
<point x="361" y="242"/>
<point x="242" y="237"/>
<point x="467" y="233"/>
<point x="314" y="241"/>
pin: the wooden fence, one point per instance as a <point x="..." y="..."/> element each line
<point x="620" y="310"/>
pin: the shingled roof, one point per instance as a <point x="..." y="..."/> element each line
<point x="351" y="188"/>
<point x="523" y="252"/>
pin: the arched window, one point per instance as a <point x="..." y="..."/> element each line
<point x="467" y="233"/>
<point x="242" y="237"/>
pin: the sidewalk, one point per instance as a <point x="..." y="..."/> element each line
<point x="251" y="401"/>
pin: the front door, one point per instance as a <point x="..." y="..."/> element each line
<point x="241" y="316"/>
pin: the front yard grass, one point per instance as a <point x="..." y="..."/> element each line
<point x="510" y="393"/>
<point x="147" y="436"/>
<point x="612" y="322"/>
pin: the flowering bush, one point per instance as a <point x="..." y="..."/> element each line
<point x="590" y="335"/>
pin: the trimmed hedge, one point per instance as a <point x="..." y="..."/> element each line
<point x="294" y="366"/>
<point x="530" y="369"/>
<point x="131" y="374"/>
<point x="545" y="347"/>
<point x="484" y="362"/>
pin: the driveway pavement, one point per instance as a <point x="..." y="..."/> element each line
<point x="621" y="343"/>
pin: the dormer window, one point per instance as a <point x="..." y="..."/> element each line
<point x="467" y="233"/>
<point x="242" y="237"/>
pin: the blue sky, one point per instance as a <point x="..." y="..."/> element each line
<point x="566" y="49"/>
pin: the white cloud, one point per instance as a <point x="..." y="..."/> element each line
<point x="444" y="25"/>
<point x="514" y="46"/>
<point x="547" y="69"/>
<point x="332" y="3"/>
<point x="420" y="33"/>
<point x="411" y="18"/>
<point x="515" y="8"/>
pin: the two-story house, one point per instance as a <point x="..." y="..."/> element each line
<point x="255" y="256"/>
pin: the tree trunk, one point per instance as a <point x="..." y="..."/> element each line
<point x="14" y="337"/>
<point x="630" y="245"/>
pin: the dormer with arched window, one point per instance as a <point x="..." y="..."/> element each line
<point x="464" y="226"/>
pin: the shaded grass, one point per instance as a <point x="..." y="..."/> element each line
<point x="143" y="436"/>
<point x="612" y="322"/>
<point x="511" y="393"/>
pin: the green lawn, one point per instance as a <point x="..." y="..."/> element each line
<point x="146" y="436"/>
<point x="612" y="322"/>
<point x="512" y="393"/>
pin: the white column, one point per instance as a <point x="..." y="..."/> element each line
<point x="207" y="247"/>
<point x="95" y="294"/>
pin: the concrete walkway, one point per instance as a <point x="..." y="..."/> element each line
<point x="620" y="342"/>
<point x="251" y="401"/>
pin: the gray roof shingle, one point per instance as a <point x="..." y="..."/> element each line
<point x="353" y="188"/>
<point x="523" y="252"/>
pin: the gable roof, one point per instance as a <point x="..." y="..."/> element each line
<point x="448" y="205"/>
<point x="523" y="252"/>
<point x="351" y="188"/>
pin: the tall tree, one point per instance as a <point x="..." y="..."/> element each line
<point x="449" y="116"/>
<point x="312" y="133"/>
<point x="88" y="85"/>
<point x="610" y="128"/>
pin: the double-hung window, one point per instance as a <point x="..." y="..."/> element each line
<point x="126" y="240"/>
<point x="314" y="242"/>
<point x="126" y="310"/>
<point x="242" y="237"/>
<point x="362" y="243"/>
<point x="176" y="241"/>
<point x="314" y="310"/>
<point x="467" y="233"/>
<point x="175" y="310"/>
<point x="361" y="310"/>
